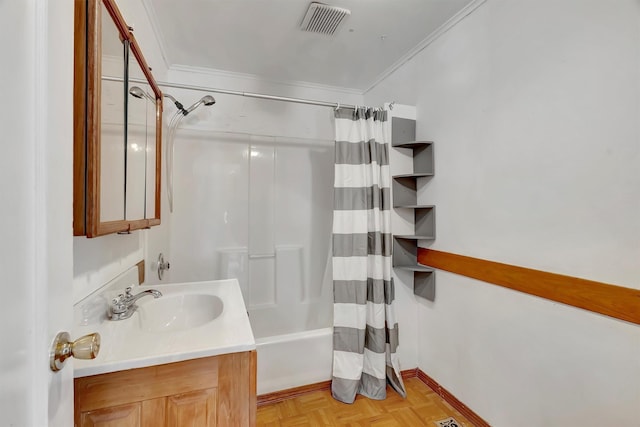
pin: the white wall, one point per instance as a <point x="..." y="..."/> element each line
<point x="534" y="109"/>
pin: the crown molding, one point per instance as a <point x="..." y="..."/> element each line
<point x="254" y="77"/>
<point x="440" y="31"/>
<point x="153" y="19"/>
<point x="444" y="28"/>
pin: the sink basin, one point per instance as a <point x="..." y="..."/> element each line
<point x="178" y="312"/>
<point x="189" y="321"/>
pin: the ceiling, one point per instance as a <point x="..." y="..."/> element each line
<point x="262" y="37"/>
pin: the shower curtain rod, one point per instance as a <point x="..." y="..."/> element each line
<point x="239" y="93"/>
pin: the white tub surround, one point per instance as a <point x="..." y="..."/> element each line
<point x="128" y="344"/>
<point x="294" y="360"/>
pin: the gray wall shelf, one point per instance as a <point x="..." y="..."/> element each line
<point x="414" y="237"/>
<point x="424" y="219"/>
<point x="422" y="153"/>
<point x="412" y="144"/>
<point x="405" y="196"/>
<point x="413" y="175"/>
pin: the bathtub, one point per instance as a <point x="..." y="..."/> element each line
<point x="293" y="360"/>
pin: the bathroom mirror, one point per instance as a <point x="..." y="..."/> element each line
<point x="138" y="99"/>
<point x="117" y="130"/>
<point x="143" y="140"/>
<point x="113" y="125"/>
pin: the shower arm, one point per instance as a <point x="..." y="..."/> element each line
<point x="177" y="103"/>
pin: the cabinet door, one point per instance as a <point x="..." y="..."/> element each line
<point x="111" y="134"/>
<point x="115" y="416"/>
<point x="195" y="409"/>
<point x="153" y="412"/>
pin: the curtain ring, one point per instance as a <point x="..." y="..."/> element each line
<point x="391" y="105"/>
<point x="337" y="106"/>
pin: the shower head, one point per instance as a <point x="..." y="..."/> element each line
<point x="140" y="94"/>
<point x="206" y="100"/>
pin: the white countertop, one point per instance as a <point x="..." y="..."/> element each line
<point x="125" y="345"/>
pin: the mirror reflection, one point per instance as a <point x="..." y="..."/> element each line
<point x="141" y="146"/>
<point x="139" y="101"/>
<point x="112" y="124"/>
<point x="150" y="187"/>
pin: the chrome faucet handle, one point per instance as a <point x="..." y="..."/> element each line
<point x="124" y="305"/>
<point x="162" y="266"/>
<point x="118" y="305"/>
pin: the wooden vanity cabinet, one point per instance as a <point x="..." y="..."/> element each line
<point x="207" y="392"/>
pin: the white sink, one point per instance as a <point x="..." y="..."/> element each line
<point x="189" y="320"/>
<point x="178" y="312"/>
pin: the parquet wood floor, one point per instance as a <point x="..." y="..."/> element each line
<point x="422" y="407"/>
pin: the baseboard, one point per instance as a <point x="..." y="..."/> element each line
<point x="279" y="396"/>
<point x="409" y="373"/>
<point x="290" y="393"/>
<point x="451" y="399"/>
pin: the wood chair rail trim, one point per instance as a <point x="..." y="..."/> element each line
<point x="614" y="301"/>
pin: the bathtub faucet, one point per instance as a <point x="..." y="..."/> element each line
<point x="124" y="305"/>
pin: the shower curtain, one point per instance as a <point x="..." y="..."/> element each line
<point x="365" y="331"/>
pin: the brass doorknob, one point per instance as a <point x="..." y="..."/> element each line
<point x="86" y="347"/>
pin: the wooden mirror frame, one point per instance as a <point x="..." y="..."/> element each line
<point x="87" y="123"/>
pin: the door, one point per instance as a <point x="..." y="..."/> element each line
<point x="36" y="261"/>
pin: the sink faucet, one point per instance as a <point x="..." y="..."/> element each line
<point x="124" y="305"/>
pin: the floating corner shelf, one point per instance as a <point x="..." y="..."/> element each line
<point x="405" y="196"/>
<point x="424" y="285"/>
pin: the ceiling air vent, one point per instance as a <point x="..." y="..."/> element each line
<point x="324" y="19"/>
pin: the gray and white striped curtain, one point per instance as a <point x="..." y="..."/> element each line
<point x="365" y="331"/>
